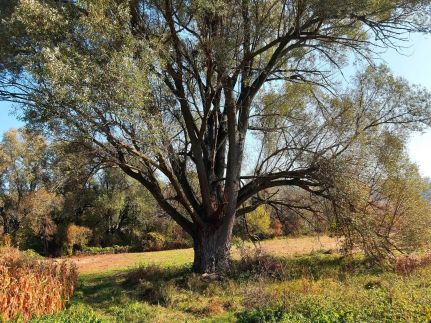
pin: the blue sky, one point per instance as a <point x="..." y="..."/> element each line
<point x="413" y="63"/>
<point x="7" y="117"/>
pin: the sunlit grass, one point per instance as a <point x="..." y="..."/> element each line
<point x="315" y="287"/>
<point x="183" y="257"/>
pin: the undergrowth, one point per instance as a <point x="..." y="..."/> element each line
<point x="318" y="287"/>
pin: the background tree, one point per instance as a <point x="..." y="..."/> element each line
<point x="38" y="211"/>
<point x="48" y="186"/>
<point x="24" y="159"/>
<point x="165" y="89"/>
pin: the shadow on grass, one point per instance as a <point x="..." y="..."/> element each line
<point x="99" y="291"/>
<point x="103" y="290"/>
<point x="153" y="284"/>
<point x="313" y="266"/>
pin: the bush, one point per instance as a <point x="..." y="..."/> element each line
<point x="260" y="315"/>
<point x="277" y="228"/>
<point x="153" y="284"/>
<point x="154" y="241"/>
<point x="260" y="265"/>
<point x="31" y="254"/>
<point x="5" y="240"/>
<point x="178" y="243"/>
<point x="406" y="265"/>
<point x="33" y="287"/>
<point x="254" y="262"/>
<point x="102" y="250"/>
<point x="258" y="222"/>
<point x="77" y="236"/>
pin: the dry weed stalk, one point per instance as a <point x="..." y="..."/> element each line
<point x="31" y="287"/>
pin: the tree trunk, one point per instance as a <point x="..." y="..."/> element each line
<point x="212" y="249"/>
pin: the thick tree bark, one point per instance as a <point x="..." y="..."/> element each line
<point x="212" y="248"/>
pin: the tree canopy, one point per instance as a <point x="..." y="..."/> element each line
<point x="174" y="92"/>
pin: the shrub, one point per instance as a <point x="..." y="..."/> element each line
<point x="153" y="273"/>
<point x="277" y="228"/>
<point x="156" y="293"/>
<point x="405" y="265"/>
<point x="154" y="241"/>
<point x="255" y="262"/>
<point x="258" y="222"/>
<point x="102" y="250"/>
<point x="6" y="240"/>
<point x="153" y="284"/>
<point x="32" y="254"/>
<point x="178" y="243"/>
<point x="77" y="236"/>
<point x="33" y="287"/>
<point x="260" y="315"/>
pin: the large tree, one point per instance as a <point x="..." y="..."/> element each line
<point x="172" y="91"/>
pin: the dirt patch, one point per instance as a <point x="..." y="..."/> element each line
<point x="277" y="247"/>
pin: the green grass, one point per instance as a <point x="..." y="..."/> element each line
<point x="167" y="258"/>
<point x="310" y="288"/>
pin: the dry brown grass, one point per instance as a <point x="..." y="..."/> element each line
<point x="406" y="265"/>
<point x="31" y="287"/>
<point x="299" y="245"/>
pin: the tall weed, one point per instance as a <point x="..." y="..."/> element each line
<point x="32" y="287"/>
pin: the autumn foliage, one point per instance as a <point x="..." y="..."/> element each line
<point x="77" y="235"/>
<point x="31" y="287"/>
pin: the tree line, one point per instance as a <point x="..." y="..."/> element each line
<point x="55" y="199"/>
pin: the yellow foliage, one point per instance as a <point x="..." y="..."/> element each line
<point x="6" y="240"/>
<point x="37" y="207"/>
<point x="31" y="287"/>
<point x="259" y="221"/>
<point x="77" y="235"/>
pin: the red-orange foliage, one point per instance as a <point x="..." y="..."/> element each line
<point x="277" y="228"/>
<point x="405" y="265"/>
<point x="31" y="287"/>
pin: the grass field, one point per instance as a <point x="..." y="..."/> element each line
<point x="173" y="258"/>
<point x="297" y="281"/>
